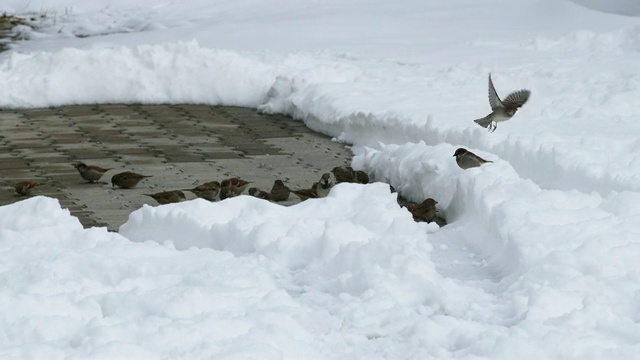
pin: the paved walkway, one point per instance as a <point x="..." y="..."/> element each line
<point x="179" y="145"/>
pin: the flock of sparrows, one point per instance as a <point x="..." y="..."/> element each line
<point x="502" y="110"/>
<point x="231" y="187"/>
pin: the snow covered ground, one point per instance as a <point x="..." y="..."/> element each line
<point x="540" y="257"/>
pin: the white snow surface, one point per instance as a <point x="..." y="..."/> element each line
<point x="540" y="257"/>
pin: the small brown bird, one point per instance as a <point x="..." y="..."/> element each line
<point x="127" y="179"/>
<point x="279" y="191"/>
<point x="425" y="211"/>
<point x="232" y="187"/>
<point x="305" y="194"/>
<point x="361" y="177"/>
<point x="23" y="188"/>
<point x="207" y="191"/>
<point x="91" y="173"/>
<point x="466" y="159"/>
<point x="344" y="174"/>
<point x="502" y="110"/>
<point x="167" y="197"/>
<point x="325" y="184"/>
<point x="260" y="194"/>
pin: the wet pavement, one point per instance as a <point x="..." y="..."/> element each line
<point x="180" y="146"/>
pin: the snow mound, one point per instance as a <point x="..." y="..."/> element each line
<point x="176" y="72"/>
<point x="622" y="7"/>
<point x="336" y="236"/>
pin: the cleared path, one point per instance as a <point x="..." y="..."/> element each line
<point x="179" y="145"/>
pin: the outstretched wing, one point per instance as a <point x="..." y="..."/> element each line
<point x="516" y="99"/>
<point x="494" y="99"/>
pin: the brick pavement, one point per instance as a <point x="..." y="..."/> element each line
<point x="179" y="145"/>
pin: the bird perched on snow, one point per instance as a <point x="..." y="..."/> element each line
<point x="207" y="191"/>
<point x="127" y="179"/>
<point x="91" y="173"/>
<point x="167" y="197"/>
<point x="327" y="180"/>
<point x="23" y="188"/>
<point x="425" y="211"/>
<point x="502" y="110"/>
<point x="232" y="187"/>
<point x="279" y="191"/>
<point x="466" y="159"/>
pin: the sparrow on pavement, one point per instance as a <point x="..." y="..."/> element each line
<point x="425" y="211"/>
<point x="279" y="191"/>
<point x="91" y="173"/>
<point x="361" y="177"/>
<point x="327" y="180"/>
<point x="127" y="179"/>
<point x="305" y="194"/>
<point x="466" y="159"/>
<point x="502" y="110"/>
<point x="207" y="191"/>
<point x="232" y="187"/>
<point x="167" y="197"/>
<point x="344" y="174"/>
<point x="260" y="194"/>
<point x="23" y="188"/>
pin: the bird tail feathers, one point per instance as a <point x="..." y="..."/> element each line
<point x="484" y="122"/>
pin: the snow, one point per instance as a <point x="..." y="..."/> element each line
<point x="539" y="259"/>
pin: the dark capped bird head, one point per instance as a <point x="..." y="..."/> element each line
<point x="325" y="181"/>
<point x="80" y="165"/>
<point x="460" y="152"/>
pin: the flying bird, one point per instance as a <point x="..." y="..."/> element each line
<point x="502" y="110"/>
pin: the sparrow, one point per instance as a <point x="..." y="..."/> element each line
<point x="344" y="174"/>
<point x="167" y="197"/>
<point x="260" y="194"/>
<point x="466" y="159"/>
<point x="327" y="180"/>
<point x="207" y="191"/>
<point x="91" y="173"/>
<point x="425" y="211"/>
<point x="279" y="191"/>
<point x="127" y="179"/>
<point x="361" y="177"/>
<point x="305" y="194"/>
<point x="23" y="188"/>
<point x="502" y="110"/>
<point x="232" y="187"/>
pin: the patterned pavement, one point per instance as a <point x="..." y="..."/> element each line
<point x="179" y="145"/>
